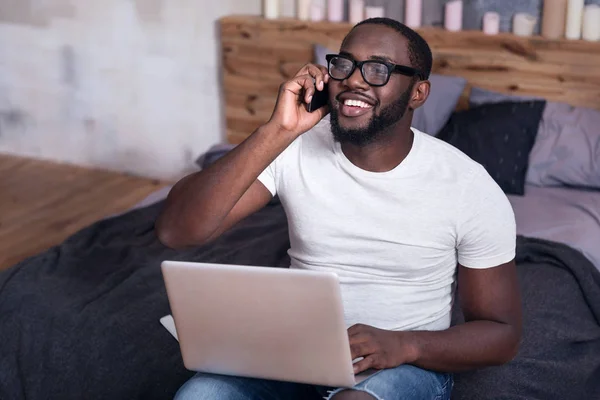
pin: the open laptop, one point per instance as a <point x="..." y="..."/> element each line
<point x="260" y="322"/>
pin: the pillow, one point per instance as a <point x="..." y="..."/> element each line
<point x="500" y="137"/>
<point x="443" y="98"/>
<point x="442" y="101"/>
<point x="567" y="148"/>
<point x="479" y="96"/>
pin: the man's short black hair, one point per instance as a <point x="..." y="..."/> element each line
<point x="419" y="51"/>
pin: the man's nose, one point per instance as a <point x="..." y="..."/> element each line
<point x="356" y="80"/>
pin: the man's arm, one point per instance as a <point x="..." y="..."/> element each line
<point x="491" y="303"/>
<point x="203" y="205"/>
<point x="488" y="293"/>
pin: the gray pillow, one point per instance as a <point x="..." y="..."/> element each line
<point x="479" y="96"/>
<point x="442" y="101"/>
<point x="567" y="147"/>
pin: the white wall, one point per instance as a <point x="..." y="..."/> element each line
<point x="129" y="85"/>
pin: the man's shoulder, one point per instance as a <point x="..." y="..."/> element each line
<point x="450" y="163"/>
<point x="445" y="162"/>
<point x="444" y="157"/>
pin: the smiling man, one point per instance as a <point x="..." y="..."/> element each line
<point x="401" y="217"/>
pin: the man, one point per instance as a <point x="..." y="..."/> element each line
<point x="400" y="216"/>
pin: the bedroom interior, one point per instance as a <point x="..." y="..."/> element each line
<point x="82" y="294"/>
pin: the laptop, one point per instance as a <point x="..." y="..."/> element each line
<point x="260" y="322"/>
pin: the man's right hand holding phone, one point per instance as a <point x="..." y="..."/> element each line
<point x="290" y="113"/>
<point x="206" y="203"/>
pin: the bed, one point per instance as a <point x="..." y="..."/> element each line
<point x="81" y="320"/>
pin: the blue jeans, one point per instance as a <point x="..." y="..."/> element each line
<point x="405" y="382"/>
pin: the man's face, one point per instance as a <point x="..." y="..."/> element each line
<point x="360" y="113"/>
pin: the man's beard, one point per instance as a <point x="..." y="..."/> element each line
<point x="377" y="126"/>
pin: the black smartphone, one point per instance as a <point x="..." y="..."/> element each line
<point x="319" y="99"/>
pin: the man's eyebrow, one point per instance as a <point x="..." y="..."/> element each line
<point x="381" y="58"/>
<point x="373" y="57"/>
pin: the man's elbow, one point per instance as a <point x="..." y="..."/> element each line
<point x="166" y="228"/>
<point x="513" y="344"/>
<point x="165" y="233"/>
<point x="511" y="354"/>
<point x="168" y="238"/>
<point x="176" y="238"/>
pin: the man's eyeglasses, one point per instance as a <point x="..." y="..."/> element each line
<point x="375" y="73"/>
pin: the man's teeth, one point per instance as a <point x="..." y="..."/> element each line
<point x="357" y="103"/>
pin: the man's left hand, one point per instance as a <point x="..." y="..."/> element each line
<point x="380" y="349"/>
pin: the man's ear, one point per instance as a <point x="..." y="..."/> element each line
<point x="420" y="93"/>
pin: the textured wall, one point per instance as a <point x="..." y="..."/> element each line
<point x="130" y="85"/>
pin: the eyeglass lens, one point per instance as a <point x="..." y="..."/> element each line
<point x="374" y="72"/>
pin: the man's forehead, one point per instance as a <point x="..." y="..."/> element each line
<point x="370" y="40"/>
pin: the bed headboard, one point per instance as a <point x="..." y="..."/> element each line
<point x="258" y="54"/>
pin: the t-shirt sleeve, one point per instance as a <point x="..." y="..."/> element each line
<point x="267" y="178"/>
<point x="486" y="225"/>
<point x="272" y="175"/>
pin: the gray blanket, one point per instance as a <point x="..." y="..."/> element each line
<point x="81" y="320"/>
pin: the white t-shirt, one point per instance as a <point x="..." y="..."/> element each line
<point x="393" y="238"/>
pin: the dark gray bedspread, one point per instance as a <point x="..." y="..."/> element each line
<point x="81" y="320"/>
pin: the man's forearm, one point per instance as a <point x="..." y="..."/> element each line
<point x="463" y="347"/>
<point x="198" y="203"/>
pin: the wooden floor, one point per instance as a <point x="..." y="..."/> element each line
<point x="42" y="203"/>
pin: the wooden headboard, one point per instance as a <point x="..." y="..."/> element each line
<point x="258" y="54"/>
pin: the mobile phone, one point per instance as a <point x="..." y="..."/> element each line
<point x="319" y="99"/>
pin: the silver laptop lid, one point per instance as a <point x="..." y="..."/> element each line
<point x="260" y="322"/>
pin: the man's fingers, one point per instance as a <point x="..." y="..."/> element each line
<point x="300" y="84"/>
<point x="309" y="79"/>
<point x="310" y="91"/>
<point x="360" y="338"/>
<point x="319" y="73"/>
<point x="361" y="349"/>
<point x="357" y="329"/>
<point x="364" y="364"/>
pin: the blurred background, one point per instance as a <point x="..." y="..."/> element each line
<point x="133" y="85"/>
